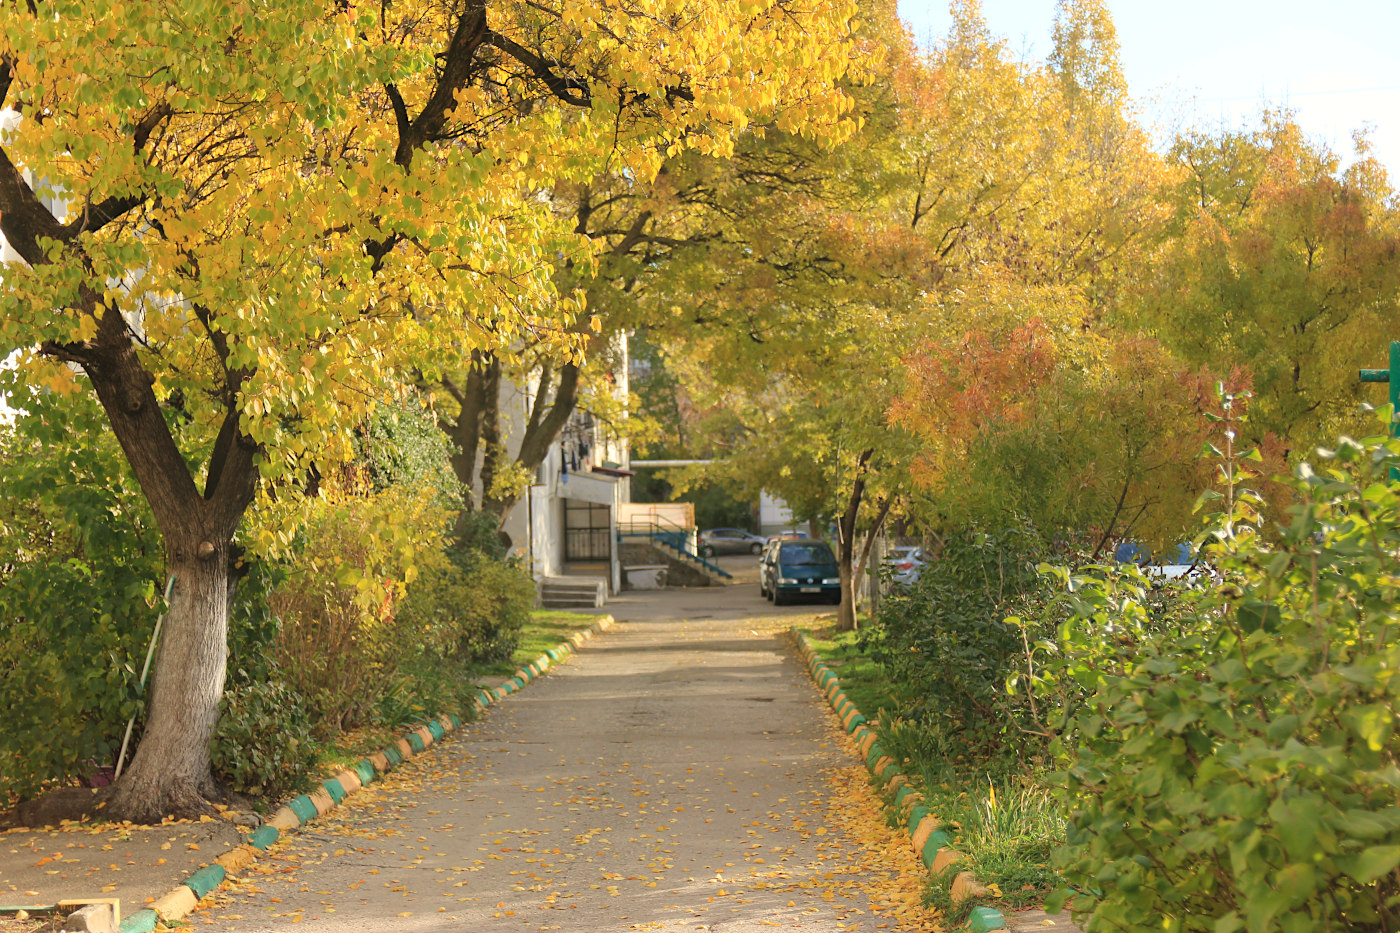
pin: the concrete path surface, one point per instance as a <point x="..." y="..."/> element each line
<point x="679" y="774"/>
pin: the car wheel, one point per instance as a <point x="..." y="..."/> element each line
<point x="756" y="549"/>
<point x="707" y="551"/>
<point x="836" y="599"/>
<point x="779" y="599"/>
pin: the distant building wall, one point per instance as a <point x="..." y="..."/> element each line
<point x="773" y="515"/>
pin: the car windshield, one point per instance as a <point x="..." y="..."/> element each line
<point x="807" y="554"/>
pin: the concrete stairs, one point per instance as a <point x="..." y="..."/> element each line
<point x="679" y="572"/>
<point x="573" y="592"/>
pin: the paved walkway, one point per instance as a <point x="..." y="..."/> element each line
<point x="675" y="775"/>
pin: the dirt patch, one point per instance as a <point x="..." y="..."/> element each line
<point x="75" y="804"/>
<point x="9" y="923"/>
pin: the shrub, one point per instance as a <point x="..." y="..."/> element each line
<point x="342" y="639"/>
<point x="473" y="605"/>
<point x="1230" y="755"/>
<point x="948" y="651"/>
<point x="80" y="572"/>
<point x="262" y="746"/>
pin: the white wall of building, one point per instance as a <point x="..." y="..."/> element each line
<point x="773" y="515"/>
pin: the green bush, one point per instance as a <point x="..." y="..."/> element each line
<point x="473" y="605"/>
<point x="948" y="651"/>
<point x="1230" y="754"/>
<point x="80" y="573"/>
<point x="262" y="746"/>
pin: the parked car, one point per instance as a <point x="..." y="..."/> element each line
<point x="767" y="564"/>
<point x="729" y="541"/>
<point x="798" y="568"/>
<point x="1177" y="562"/>
<point x="904" y="565"/>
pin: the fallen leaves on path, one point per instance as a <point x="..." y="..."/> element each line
<point x="605" y="838"/>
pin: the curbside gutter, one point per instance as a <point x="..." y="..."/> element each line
<point x="926" y="834"/>
<point x="300" y="810"/>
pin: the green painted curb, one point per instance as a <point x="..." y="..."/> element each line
<point x="262" y="837"/>
<point x="985" y="919"/>
<point x="335" y="789"/>
<point x="856" y="721"/>
<point x="143" y="921"/>
<point x="303" y="808"/>
<point x="936" y="841"/>
<point x="456" y="721"/>
<point x="916" y="816"/>
<point x="364" y="770"/>
<point x="205" y="880"/>
<point x="436" y="730"/>
<point x="392" y="753"/>
<point x="415" y="742"/>
<point x="486" y="698"/>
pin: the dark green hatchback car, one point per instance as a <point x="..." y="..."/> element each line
<point x="804" y="568"/>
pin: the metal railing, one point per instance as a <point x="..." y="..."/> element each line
<point x="670" y="535"/>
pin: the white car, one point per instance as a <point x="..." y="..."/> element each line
<point x="905" y="565"/>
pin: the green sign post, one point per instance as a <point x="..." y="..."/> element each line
<point x="1392" y="376"/>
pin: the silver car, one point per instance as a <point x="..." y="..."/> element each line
<point x="904" y="565"/>
<point x="729" y="541"/>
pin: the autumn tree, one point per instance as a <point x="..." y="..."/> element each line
<point x="783" y="322"/>
<point x="1283" y="263"/>
<point x="1090" y="451"/>
<point x="238" y="226"/>
<point x="635" y="227"/>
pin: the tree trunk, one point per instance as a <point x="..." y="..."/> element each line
<point x="846" y="551"/>
<point x="862" y="568"/>
<point x="170" y="773"/>
<point x="476" y="431"/>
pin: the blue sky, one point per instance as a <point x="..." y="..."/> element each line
<point x="1205" y="63"/>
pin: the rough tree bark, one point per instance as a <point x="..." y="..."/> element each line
<point x="846" y="545"/>
<point x="170" y="773"/>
